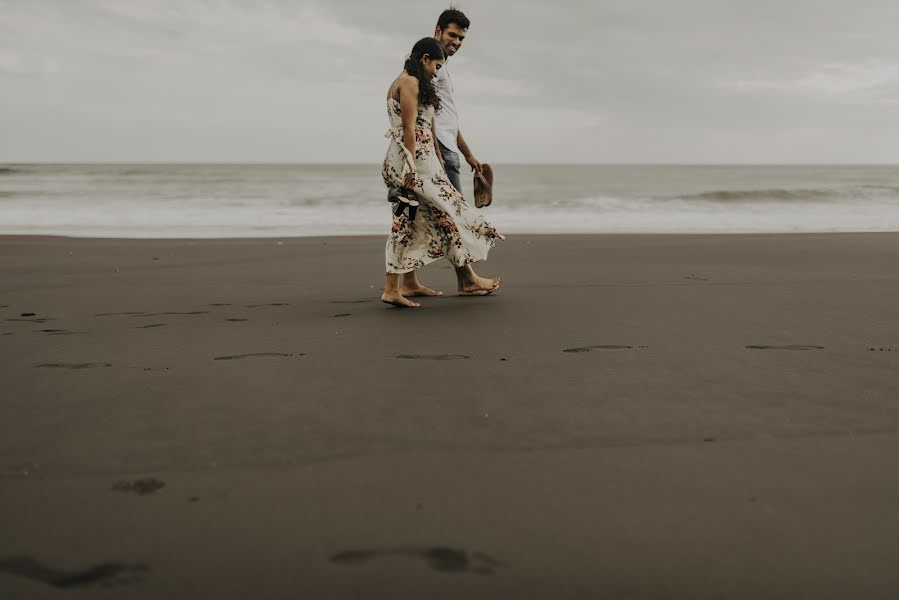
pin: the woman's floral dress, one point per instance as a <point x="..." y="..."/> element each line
<point x="445" y="226"/>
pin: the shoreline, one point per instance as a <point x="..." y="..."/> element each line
<point x="50" y="237"/>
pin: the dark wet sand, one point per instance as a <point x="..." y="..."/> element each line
<point x="629" y="417"/>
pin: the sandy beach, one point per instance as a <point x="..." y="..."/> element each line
<point x="630" y="416"/>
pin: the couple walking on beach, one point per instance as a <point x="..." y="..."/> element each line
<point x="423" y="164"/>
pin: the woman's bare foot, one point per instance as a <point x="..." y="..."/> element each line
<point x="479" y="287"/>
<point x="418" y="290"/>
<point x="396" y="299"/>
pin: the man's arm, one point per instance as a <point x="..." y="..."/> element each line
<point x="466" y="152"/>
<point x="436" y="145"/>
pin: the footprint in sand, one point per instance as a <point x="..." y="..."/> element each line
<point x="151" y="325"/>
<point x="143" y="487"/>
<point x="116" y="314"/>
<point x="361" y="301"/>
<point x="24" y="469"/>
<point x="439" y="558"/>
<point x="35" y="320"/>
<point x="104" y="574"/>
<point x="432" y="356"/>
<point x="219" y="304"/>
<point x="790" y="347"/>
<point x="272" y="304"/>
<point x="236" y="320"/>
<point x="73" y="365"/>
<point x="602" y="348"/>
<point x="342" y="315"/>
<point x="159" y="314"/>
<point x="696" y="277"/>
<point x="58" y="332"/>
<point x="256" y="355"/>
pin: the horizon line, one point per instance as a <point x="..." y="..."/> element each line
<point x="511" y="164"/>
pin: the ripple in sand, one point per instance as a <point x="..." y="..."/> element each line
<point x="73" y="365"/>
<point x="432" y="356"/>
<point x="789" y="347"/>
<point x="362" y="301"/>
<point x="116" y="314"/>
<point x="103" y="574"/>
<point x="438" y="558"/>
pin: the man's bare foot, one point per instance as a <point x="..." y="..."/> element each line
<point x="480" y="287"/>
<point x="419" y="290"/>
<point x="396" y="299"/>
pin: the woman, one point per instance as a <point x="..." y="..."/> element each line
<point x="445" y="225"/>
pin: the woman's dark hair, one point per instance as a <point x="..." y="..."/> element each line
<point x="453" y="15"/>
<point x="427" y="93"/>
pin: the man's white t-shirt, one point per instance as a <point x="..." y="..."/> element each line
<point x="446" y="119"/>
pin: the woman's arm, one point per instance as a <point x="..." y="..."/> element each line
<point x="408" y="89"/>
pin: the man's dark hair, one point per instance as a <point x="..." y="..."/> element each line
<point x="453" y="15"/>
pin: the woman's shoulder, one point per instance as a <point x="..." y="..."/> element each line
<point x="404" y="84"/>
<point x="407" y="82"/>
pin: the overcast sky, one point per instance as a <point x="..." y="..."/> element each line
<point x="641" y="81"/>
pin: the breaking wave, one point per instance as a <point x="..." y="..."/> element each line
<point x="799" y="195"/>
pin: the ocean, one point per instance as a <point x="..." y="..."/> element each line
<point x="192" y="200"/>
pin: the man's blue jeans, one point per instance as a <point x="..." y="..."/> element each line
<point x="453" y="166"/>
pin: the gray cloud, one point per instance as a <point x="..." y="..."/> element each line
<point x="216" y="80"/>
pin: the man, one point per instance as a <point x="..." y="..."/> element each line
<point x="452" y="27"/>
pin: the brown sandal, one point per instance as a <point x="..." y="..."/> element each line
<point x="483" y="186"/>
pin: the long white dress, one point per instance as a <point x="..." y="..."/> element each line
<point x="446" y="225"/>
